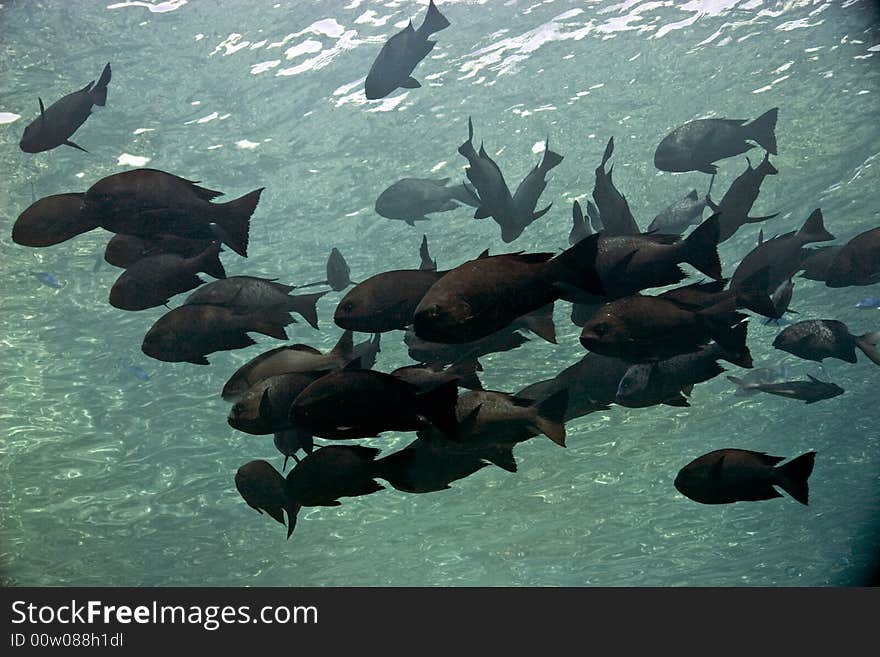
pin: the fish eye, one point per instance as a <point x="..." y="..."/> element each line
<point x="600" y="329"/>
<point x="348" y="306"/>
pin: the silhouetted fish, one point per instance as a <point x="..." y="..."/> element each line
<point x="251" y="294"/>
<point x="817" y="339"/>
<point x="263" y="489"/>
<point x="338" y="273"/>
<point x="264" y="407"/>
<point x="614" y="212"/>
<point x="580" y="229"/>
<point x="857" y="262"/>
<point x="771" y="374"/>
<point x="695" y="145"/>
<point x="47" y="279"/>
<point x="817" y="260"/>
<point x="56" y="125"/>
<point x="751" y="294"/>
<point x="153" y="280"/>
<point x="290" y="441"/>
<point x="675" y="219"/>
<point x="52" y="220"/>
<point x="125" y="250"/>
<point x="422" y="467"/>
<point x="810" y="391"/>
<point x="150" y="202"/>
<point x="400" y="55"/>
<point x="425" y="351"/>
<point x="525" y="198"/>
<point x="736" y="203"/>
<point x="485" y="175"/>
<point x="739" y="475"/>
<point x="410" y="199"/>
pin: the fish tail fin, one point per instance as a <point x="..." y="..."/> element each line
<point x="701" y="247"/>
<point x="235" y="220"/>
<point x="737" y="351"/>
<point x="427" y="262"/>
<point x="438" y="406"/>
<point x="813" y="229"/>
<point x="99" y="91"/>
<point x="465" y="193"/>
<point x="868" y="344"/>
<point x="540" y="322"/>
<point x="576" y="266"/>
<point x="540" y="213"/>
<point x="307" y="306"/>
<point x="502" y="456"/>
<point x="550" y="159"/>
<point x="292" y="509"/>
<point x="467" y="148"/>
<point x="752" y="294"/>
<point x="763" y="130"/>
<point x="792" y="477"/>
<point x="765" y="167"/>
<point x="209" y="261"/>
<point x="550" y="416"/>
<point x="344" y="348"/>
<point x="609" y="151"/>
<point x="434" y="21"/>
<point x="271" y="321"/>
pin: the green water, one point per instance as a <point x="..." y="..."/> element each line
<point x="107" y="479"/>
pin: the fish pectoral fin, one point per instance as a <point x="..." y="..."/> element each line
<point x="482" y="212"/>
<point x="708" y="168"/>
<point x="73" y="145"/>
<point x="198" y="360"/>
<point x="411" y="83"/>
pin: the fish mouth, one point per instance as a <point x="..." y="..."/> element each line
<point x="589" y="339"/>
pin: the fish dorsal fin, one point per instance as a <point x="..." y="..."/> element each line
<point x="484" y="254"/>
<point x="715" y="470"/>
<point x="42" y="109"/>
<point x="760" y="237"/>
<point x="770" y="460"/>
<point x="304" y="348"/>
<point x="692" y="195"/>
<point x="482" y="152"/>
<point x="531" y="258"/>
<point x="468" y="422"/>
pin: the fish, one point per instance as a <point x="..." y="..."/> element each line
<point x="150" y="202"/>
<point x="730" y="475"/>
<point x="781" y="299"/>
<point x="263" y="488"/>
<point x="485" y="175"/>
<point x="290" y="358"/>
<point x="264" y="407"/>
<point x="338" y="273"/>
<point x="525" y="198"/>
<point x="56" y="125"/>
<point x="671" y="381"/>
<point x="486" y="294"/>
<point x="645" y="329"/>
<point x="189" y="333"/>
<point x="410" y="199"/>
<point x="153" y="280"/>
<point x="251" y="294"/>
<point x="818" y="339"/>
<point x="771" y="374"/>
<point x="329" y="473"/>
<point x="490" y="423"/>
<point x="47" y="279"/>
<point x="399" y="56"/>
<point x="782" y="255"/>
<point x="290" y="441"/>
<point x="52" y="220"/>
<point x="358" y="403"/>
<point x="137" y="372"/>
<point x="580" y="228"/>
<point x="857" y="262"/>
<point x="125" y="250"/>
<point x="816" y="261"/>
<point x="811" y="391"/>
<point x="422" y="467"/>
<point x="696" y="145"/>
<point x="736" y="203"/>
<point x="868" y="303"/>
<point x="441" y="353"/>
<point x="750" y="294"/>
<point x="428" y="376"/>
<point x="614" y="212"/>
<point x="676" y="218"/>
<point x="591" y="383"/>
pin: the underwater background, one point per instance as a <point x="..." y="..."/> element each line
<point x="117" y="470"/>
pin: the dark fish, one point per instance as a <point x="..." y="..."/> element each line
<point x="189" y="333"/>
<point x="484" y="295"/>
<point x="868" y="303"/>
<point x="444" y="354"/>
<point x="356" y="403"/>
<point x="817" y="260"/>
<point x="264" y="407"/>
<point x="485" y="175"/>
<point x="736" y="203"/>
<point x="252" y="294"/>
<point x="580" y="229"/>
<point x="426" y="377"/>
<point x="695" y="145"/>
<point x="56" y="125"/>
<point x="338" y="273"/>
<point x="761" y="375"/>
<point x="525" y="198"/>
<point x="739" y="475"/>
<point x="676" y="218"/>
<point x="781" y="299"/>
<point x="47" y="279"/>
<point x="811" y="391"/>
<point x="386" y="301"/>
<point x="149" y="202"/>
<point x="751" y="294"/>
<point x="643" y="329"/>
<point x="52" y="220"/>
<point x="491" y="423"/>
<point x="291" y="358"/>
<point x="614" y="212"/>
<point x="153" y="280"/>
<point x="329" y="473"/>
<point x="817" y="339"/>
<point x="125" y="250"/>
<point x="857" y="262"/>
<point x="290" y="441"/>
<point x="410" y="199"/>
<point x="781" y="256"/>
<point x="423" y="467"/>
<point x="400" y="55"/>
<point x="671" y="381"/>
<point x="263" y="489"/>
